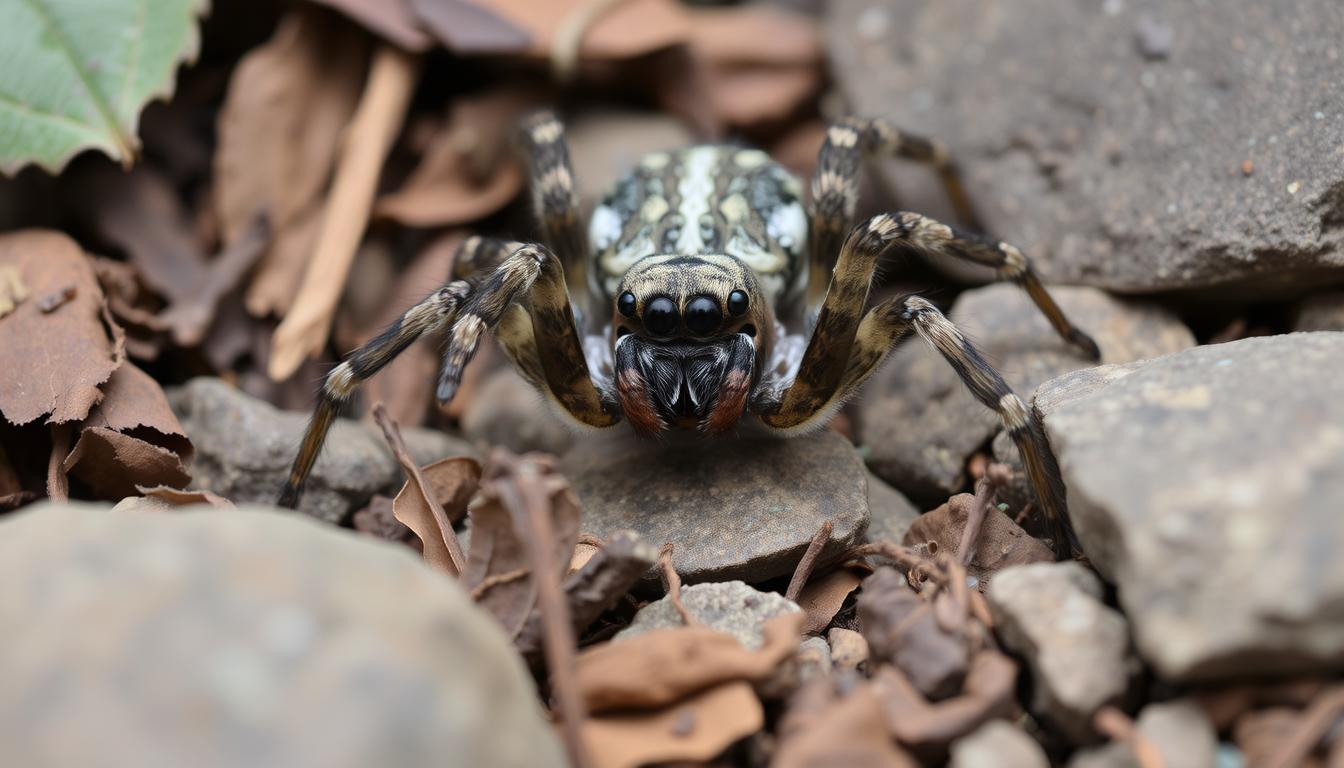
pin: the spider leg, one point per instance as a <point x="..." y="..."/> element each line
<point x="555" y="196"/>
<point x="835" y="184"/>
<point x="548" y="349"/>
<point x="835" y="194"/>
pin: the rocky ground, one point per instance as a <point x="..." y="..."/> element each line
<point x="479" y="585"/>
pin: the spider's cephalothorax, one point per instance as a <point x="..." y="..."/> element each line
<point x="690" y="275"/>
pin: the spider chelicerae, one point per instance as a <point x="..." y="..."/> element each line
<point x="693" y="275"/>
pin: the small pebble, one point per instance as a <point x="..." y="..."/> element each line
<point x="1247" y="167"/>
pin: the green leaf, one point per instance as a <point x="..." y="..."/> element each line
<point x="75" y="74"/>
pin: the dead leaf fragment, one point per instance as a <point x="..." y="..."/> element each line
<point x="825" y="728"/>
<point x="928" y="728"/>
<point x="903" y="628"/>
<point x="113" y="464"/>
<point x="134" y="404"/>
<point x="392" y="19"/>
<point x="659" y="667"/>
<point x="456" y="480"/>
<point x="1001" y="543"/>
<point x="822" y="598"/>
<point x="176" y="497"/>
<point x="53" y="363"/>
<point x="631" y="28"/>
<point x="695" y="729"/>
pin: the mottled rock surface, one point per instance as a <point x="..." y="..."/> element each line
<point x="1208" y="486"/>
<point x="891" y="513"/>
<point x="920" y="423"/>
<point x="999" y="744"/>
<point x="1077" y="648"/>
<point x="735" y="508"/>
<point x="246" y="637"/>
<point x="1207" y="155"/>
<point x="726" y="606"/>
<point x="244" y="447"/>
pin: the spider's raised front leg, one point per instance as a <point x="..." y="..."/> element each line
<point x="845" y="350"/>
<point x="835" y="189"/>
<point x="523" y="300"/>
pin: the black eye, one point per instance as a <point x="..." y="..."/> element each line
<point x="737" y="303"/>
<point x="703" y="315"/>
<point x="660" y="316"/>
<point x="626" y="304"/>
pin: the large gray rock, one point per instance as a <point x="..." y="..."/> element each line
<point x="999" y="744"/>
<point x="507" y="411"/>
<point x="246" y="637"/>
<point x="726" y="606"/>
<point x="891" y="513"/>
<point x="920" y="423"/>
<point x="1208" y="486"/>
<point x="735" y="508"/>
<point x="244" y="447"/>
<point x="1111" y="140"/>
<point x="1077" y="648"/>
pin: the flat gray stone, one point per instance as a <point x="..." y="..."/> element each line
<point x="1208" y="486"/>
<point x="507" y="411"/>
<point x="919" y="422"/>
<point x="891" y="513"/>
<point x="244" y="447"/>
<point x="735" y="508"/>
<point x="725" y="606"/>
<point x="1107" y="139"/>
<point x="246" y="637"/>
<point x="1077" y="649"/>
<point x="1000" y="744"/>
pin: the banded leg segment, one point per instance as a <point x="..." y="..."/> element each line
<point x="428" y="316"/>
<point x="555" y="195"/>
<point x="835" y="185"/>
<point x="554" y="350"/>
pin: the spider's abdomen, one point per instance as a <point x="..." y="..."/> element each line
<point x="704" y="200"/>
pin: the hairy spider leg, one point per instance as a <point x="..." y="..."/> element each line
<point x="835" y="195"/>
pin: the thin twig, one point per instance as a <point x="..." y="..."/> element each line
<point x="568" y="39"/>
<point x="392" y="435"/>
<point x="986" y="498"/>
<point x="1316" y="722"/>
<point x="495" y="580"/>
<point x="58" y="483"/>
<point x="672" y="584"/>
<point x="1117" y="726"/>
<point x="523" y="492"/>
<point x="374" y="126"/>
<point x="809" y="561"/>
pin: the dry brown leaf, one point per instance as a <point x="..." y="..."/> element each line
<point x="695" y="729"/>
<point x="498" y="564"/>
<point x="392" y="19"/>
<point x="469" y="170"/>
<point x="822" y="598"/>
<point x="755" y="34"/>
<point x="660" y="667"/>
<point x="822" y="728"/>
<point x="280" y="128"/>
<point x="456" y="480"/>
<point x="929" y="728"/>
<point x="631" y="28"/>
<point x="54" y="362"/>
<point x="112" y="464"/>
<point x="1001" y="543"/>
<point x="751" y="95"/>
<point x="134" y="404"/>
<point x="176" y="497"/>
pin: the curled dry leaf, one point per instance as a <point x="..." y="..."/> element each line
<point x="928" y="728"/>
<point x="112" y="464"/>
<point x="53" y="363"/>
<point x="659" y="667"/>
<point x="823" y="597"/>
<point x="279" y="131"/>
<point x="627" y="29"/>
<point x="176" y="497"/>
<point x="903" y="628"/>
<point x="498" y="565"/>
<point x="469" y="170"/>
<point x="695" y="729"/>
<point x="826" y="727"/>
<point x="377" y="519"/>
<point x="452" y="481"/>
<point x="134" y="404"/>
<point x="1000" y="544"/>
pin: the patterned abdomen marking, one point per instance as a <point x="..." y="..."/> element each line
<point x="704" y="200"/>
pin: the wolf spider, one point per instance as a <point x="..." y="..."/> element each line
<point x="695" y="261"/>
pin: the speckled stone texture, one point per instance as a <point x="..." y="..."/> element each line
<point x="735" y="508"/>
<point x="1110" y="140"/>
<point x="246" y="637"/>
<point x="244" y="447"/>
<point x="1208" y="485"/>
<point x="726" y="606"/>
